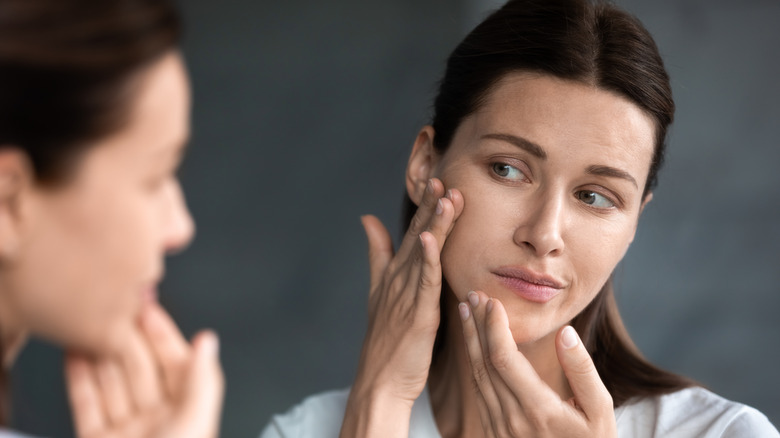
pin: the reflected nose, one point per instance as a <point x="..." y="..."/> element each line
<point x="180" y="227"/>
<point x="541" y="227"/>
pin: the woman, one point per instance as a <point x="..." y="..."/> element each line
<point x="94" y="116"/>
<point x="496" y="316"/>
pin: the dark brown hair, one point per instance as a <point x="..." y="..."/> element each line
<point x="594" y="43"/>
<point x="66" y="70"/>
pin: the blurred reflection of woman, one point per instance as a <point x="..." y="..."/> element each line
<point x="94" y="118"/>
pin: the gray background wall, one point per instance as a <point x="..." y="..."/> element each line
<point x="304" y="115"/>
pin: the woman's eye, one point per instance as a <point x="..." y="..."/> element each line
<point x="594" y="199"/>
<point x="509" y="172"/>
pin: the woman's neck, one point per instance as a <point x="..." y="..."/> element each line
<point x="450" y="386"/>
<point x="13" y="336"/>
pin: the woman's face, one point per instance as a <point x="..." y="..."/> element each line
<point x="552" y="174"/>
<point x="92" y="251"/>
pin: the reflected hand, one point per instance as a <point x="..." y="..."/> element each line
<point x="159" y="386"/>
<point x="513" y="400"/>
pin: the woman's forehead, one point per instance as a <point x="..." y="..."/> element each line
<point x="562" y="115"/>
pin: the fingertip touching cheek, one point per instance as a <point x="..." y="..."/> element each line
<point x="552" y="174"/>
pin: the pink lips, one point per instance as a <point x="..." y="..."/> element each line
<point x="149" y="294"/>
<point x="529" y="285"/>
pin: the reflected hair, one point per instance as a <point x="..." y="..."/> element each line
<point x="67" y="70"/>
<point x="589" y="42"/>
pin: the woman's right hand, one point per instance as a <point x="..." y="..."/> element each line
<point x="158" y="386"/>
<point x="403" y="316"/>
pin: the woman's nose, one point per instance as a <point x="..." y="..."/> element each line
<point x="179" y="227"/>
<point x="540" y="228"/>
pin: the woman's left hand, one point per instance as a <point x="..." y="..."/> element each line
<point x="513" y="400"/>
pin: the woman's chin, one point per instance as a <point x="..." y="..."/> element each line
<point x="529" y="329"/>
<point x="105" y="341"/>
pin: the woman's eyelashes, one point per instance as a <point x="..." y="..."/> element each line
<point x="508" y="172"/>
<point x="159" y="180"/>
<point x="595" y="199"/>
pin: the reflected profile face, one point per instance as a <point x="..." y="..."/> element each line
<point x="92" y="251"/>
<point x="552" y="174"/>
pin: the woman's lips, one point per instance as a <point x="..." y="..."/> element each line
<point x="531" y="286"/>
<point x="149" y="294"/>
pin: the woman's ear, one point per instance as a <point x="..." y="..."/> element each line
<point x="14" y="173"/>
<point x="645" y="201"/>
<point x="421" y="164"/>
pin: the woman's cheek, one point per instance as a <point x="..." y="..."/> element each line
<point x="454" y="264"/>
<point x="464" y="255"/>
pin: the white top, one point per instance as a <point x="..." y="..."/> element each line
<point x="5" y="433"/>
<point x="692" y="412"/>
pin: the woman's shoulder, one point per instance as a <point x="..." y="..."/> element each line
<point x="691" y="412"/>
<point x="321" y="415"/>
<point x="318" y="415"/>
<point x="7" y="433"/>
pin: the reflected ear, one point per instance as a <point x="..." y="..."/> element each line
<point x="421" y="164"/>
<point x="14" y="175"/>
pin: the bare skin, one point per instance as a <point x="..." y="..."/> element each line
<point x="552" y="174"/>
<point x="101" y="239"/>
<point x="160" y="386"/>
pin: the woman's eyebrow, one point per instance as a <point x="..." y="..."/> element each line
<point x="611" y="172"/>
<point x="537" y="151"/>
<point x="526" y="145"/>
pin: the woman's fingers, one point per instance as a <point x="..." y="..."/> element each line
<point x="444" y="216"/>
<point x="422" y="218"/>
<point x="431" y="242"/>
<point x="479" y="370"/>
<point x="429" y="290"/>
<point x="511" y="365"/>
<point x="516" y="399"/>
<point x="589" y="391"/>
<point x="202" y="403"/>
<point x="456" y="198"/>
<point x="501" y="360"/>
<point x="142" y="373"/>
<point x="167" y="344"/>
<point x="113" y="386"/>
<point x="484" y="417"/>
<point x="380" y="248"/>
<point x="84" y="396"/>
<point x="474" y="351"/>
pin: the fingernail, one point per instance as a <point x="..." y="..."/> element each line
<point x="210" y="344"/>
<point x="439" y="207"/>
<point x="429" y="188"/>
<point x="449" y="195"/>
<point x="569" y="337"/>
<point x="463" y="308"/>
<point x="489" y="305"/>
<point x="473" y="299"/>
<point x="422" y="241"/>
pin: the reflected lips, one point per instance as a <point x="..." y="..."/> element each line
<point x="529" y="285"/>
<point x="149" y="295"/>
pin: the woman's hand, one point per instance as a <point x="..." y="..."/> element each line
<point x="403" y="317"/>
<point x="159" y="386"/>
<point x="513" y="400"/>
